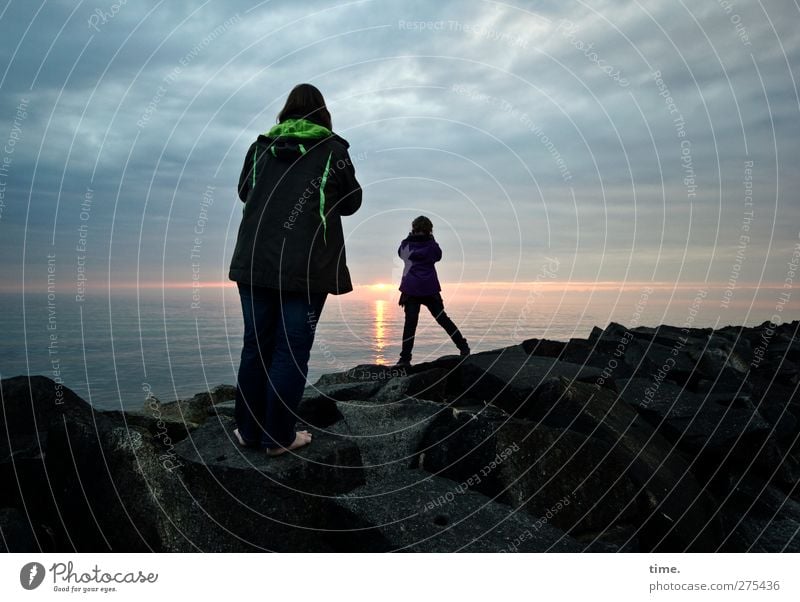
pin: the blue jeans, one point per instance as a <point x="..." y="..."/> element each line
<point x="279" y="330"/>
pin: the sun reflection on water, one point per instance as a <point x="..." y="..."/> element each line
<point x="380" y="331"/>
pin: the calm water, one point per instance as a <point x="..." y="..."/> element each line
<point x="111" y="349"/>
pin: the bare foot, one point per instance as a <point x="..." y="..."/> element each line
<point x="238" y="436"/>
<point x="301" y="438"/>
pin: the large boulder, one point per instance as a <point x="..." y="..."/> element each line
<point x="665" y="334"/>
<point x="680" y="512"/>
<point x="651" y="359"/>
<point x="536" y="468"/>
<point x="32" y="407"/>
<point x="428" y="384"/>
<point x="694" y="357"/>
<point x="382" y="374"/>
<point x="577" y="351"/>
<point x="712" y="428"/>
<point x="387" y="433"/>
<point x="194" y="410"/>
<point x="758" y="517"/>
<point x="318" y="407"/>
<point x="17" y="533"/>
<point x="587" y="475"/>
<point x="438" y="380"/>
<point x="115" y="483"/>
<point x="168" y="430"/>
<point x="413" y="511"/>
<point x="89" y="481"/>
<point x="244" y="500"/>
<point x="508" y="378"/>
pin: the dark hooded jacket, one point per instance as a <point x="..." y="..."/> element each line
<point x="296" y="183"/>
<point x="419" y="252"/>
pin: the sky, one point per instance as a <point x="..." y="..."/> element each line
<point x="582" y="142"/>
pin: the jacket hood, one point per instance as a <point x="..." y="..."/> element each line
<point x="302" y="129"/>
<point x="299" y="128"/>
<point x="418" y="237"/>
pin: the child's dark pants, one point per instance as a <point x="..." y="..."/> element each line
<point x="435" y="305"/>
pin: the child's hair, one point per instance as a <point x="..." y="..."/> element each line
<point x="422" y="224"/>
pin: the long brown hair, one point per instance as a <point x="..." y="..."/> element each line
<point x="306" y="102"/>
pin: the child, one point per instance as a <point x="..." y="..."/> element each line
<point x="420" y="286"/>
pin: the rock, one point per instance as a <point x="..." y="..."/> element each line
<point x="544" y="347"/>
<point x="244" y="500"/>
<point x="521" y="371"/>
<point x="761" y="535"/>
<point x="439" y="380"/>
<point x="428" y="384"/>
<point x="375" y="373"/>
<point x="670" y="336"/>
<point x="775" y="399"/>
<point x="388" y="434"/>
<point x="620" y="538"/>
<point x="116" y="485"/>
<point x="643" y="439"/>
<point x="318" y="405"/>
<point x="459" y="442"/>
<point x="412" y="511"/>
<point x="326" y="465"/>
<point x="612" y="333"/>
<point x="646" y="351"/>
<point x="344" y="391"/>
<point x="652" y="360"/>
<point x="727" y="383"/>
<point x="779" y="405"/>
<point x="790" y="451"/>
<point x="723" y="363"/>
<point x="708" y="427"/>
<point x="581" y="482"/>
<point x="223" y="408"/>
<point x="578" y="351"/>
<point x="655" y="465"/>
<point x="760" y="518"/>
<point x="32" y="408"/>
<point x="556" y="467"/>
<point x="16" y="532"/>
<point x="720" y="352"/>
<point x="31" y="405"/>
<point x="776" y="353"/>
<point x="97" y="483"/>
<point x="509" y="378"/>
<point x="194" y="410"/>
<point x="168" y="430"/>
<point x="686" y="356"/>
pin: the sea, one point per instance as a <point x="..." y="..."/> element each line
<point x="115" y="347"/>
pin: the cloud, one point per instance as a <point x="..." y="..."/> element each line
<point x="523" y="131"/>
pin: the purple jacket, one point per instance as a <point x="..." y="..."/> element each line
<point x="419" y="252"/>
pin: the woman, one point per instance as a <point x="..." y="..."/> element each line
<point x="296" y="183"/>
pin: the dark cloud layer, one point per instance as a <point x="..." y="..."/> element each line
<point x="524" y="131"/>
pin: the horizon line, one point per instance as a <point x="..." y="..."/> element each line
<point x="386" y="286"/>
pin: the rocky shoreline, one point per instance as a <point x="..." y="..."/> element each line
<point x="632" y="440"/>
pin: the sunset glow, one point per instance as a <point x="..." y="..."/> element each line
<point x="380" y="331"/>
